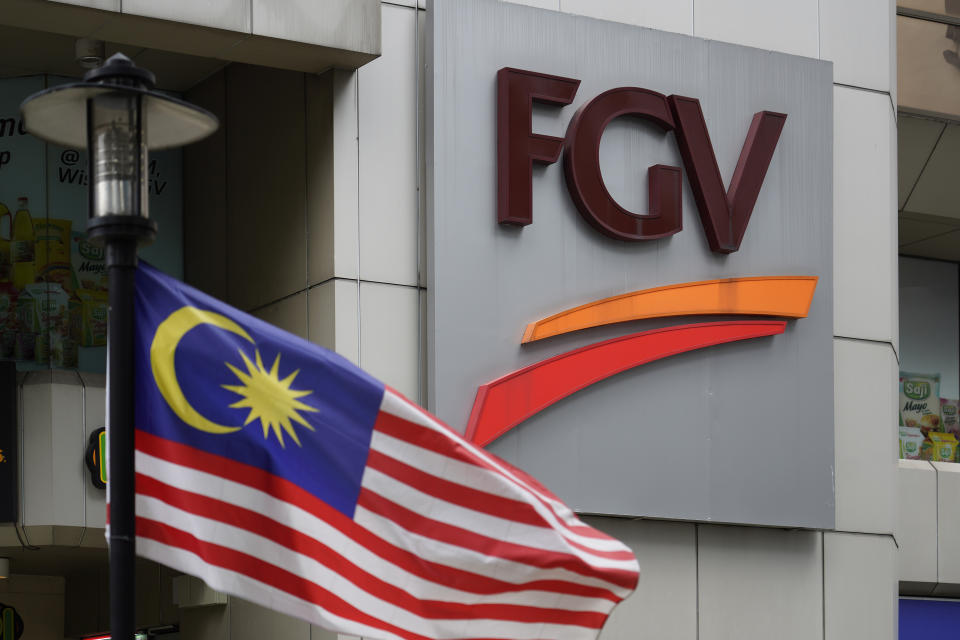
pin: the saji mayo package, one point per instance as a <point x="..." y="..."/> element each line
<point x="89" y="264"/>
<point x="920" y="400"/>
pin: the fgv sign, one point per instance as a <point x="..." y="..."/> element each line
<point x="638" y="371"/>
<point x="724" y="213"/>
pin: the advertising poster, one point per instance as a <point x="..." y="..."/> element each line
<point x="53" y="283"/>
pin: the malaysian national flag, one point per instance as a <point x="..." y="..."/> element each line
<point x="279" y="472"/>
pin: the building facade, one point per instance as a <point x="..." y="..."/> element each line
<point x="336" y="202"/>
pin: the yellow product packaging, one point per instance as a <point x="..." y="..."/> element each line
<point x="6" y="264"/>
<point x="926" y="450"/>
<point x="59" y="273"/>
<point x="21" y="246"/>
<point x="51" y="242"/>
<point x="52" y="230"/>
<point x="944" y="447"/>
<point x="45" y="259"/>
<point x="93" y="316"/>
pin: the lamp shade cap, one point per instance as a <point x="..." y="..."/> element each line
<point x="59" y="115"/>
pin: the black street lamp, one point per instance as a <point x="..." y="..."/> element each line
<point x="116" y="114"/>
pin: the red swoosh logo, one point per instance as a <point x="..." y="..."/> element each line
<point x="505" y="402"/>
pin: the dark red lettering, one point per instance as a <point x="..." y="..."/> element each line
<point x="517" y="146"/>
<point x="724" y="213"/>
<point x="584" y="180"/>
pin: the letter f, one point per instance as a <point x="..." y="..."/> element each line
<point x="517" y="146"/>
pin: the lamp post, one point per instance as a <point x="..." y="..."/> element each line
<point x="117" y="116"/>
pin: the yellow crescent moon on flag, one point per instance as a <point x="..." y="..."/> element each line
<point x="164" y="349"/>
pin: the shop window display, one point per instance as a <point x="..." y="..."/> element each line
<point x="929" y="420"/>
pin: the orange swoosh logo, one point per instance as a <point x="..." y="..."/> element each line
<point x="780" y="296"/>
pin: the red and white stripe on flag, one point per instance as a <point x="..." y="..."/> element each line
<point x="447" y="541"/>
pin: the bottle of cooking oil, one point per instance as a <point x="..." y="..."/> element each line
<point x="21" y="245"/>
<point x="5" y="230"/>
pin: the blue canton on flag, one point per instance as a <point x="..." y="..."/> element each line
<point x="279" y="472"/>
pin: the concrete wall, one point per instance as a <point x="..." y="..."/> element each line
<point x="254" y="193"/>
<point x="306" y="35"/>
<point x="357" y="286"/>
<point x="322" y="239"/>
<point x="62" y="518"/>
<point x="58" y="502"/>
<point x="929" y="528"/>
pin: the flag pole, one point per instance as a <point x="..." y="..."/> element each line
<point x="112" y="103"/>
<point x="121" y="260"/>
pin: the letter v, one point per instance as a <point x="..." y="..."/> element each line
<point x="724" y="214"/>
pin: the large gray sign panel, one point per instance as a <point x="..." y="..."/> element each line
<point x="740" y="432"/>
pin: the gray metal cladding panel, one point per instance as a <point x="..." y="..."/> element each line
<point x="741" y="432"/>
